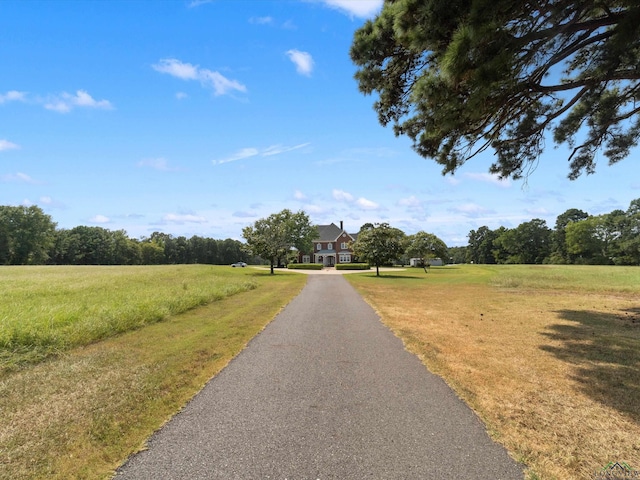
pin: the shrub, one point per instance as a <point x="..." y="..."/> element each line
<point x="353" y="266"/>
<point x="305" y="266"/>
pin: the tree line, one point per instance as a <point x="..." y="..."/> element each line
<point x="28" y="236"/>
<point x="577" y="238"/>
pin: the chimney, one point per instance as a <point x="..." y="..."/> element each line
<point x="341" y="227"/>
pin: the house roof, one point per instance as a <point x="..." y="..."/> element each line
<point x="331" y="233"/>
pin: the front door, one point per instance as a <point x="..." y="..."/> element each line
<point x="331" y="261"/>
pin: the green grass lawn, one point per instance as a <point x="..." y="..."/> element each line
<point x="81" y="412"/>
<point x="48" y="310"/>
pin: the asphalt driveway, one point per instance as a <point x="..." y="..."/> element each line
<point x="326" y="391"/>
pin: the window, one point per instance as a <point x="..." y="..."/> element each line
<point x="330" y="246"/>
<point x="319" y="246"/>
<point x="306" y="259"/>
<point x="343" y="246"/>
<point x="345" y="258"/>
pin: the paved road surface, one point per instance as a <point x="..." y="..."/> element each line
<point x="324" y="392"/>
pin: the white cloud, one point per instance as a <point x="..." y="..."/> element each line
<point x="367" y="204"/>
<point x="363" y="203"/>
<point x="221" y="84"/>
<point x="62" y="103"/>
<point x="298" y="195"/>
<point x="253" y="152"/>
<point x="270" y="21"/>
<point x="261" y="20"/>
<point x="17" y="177"/>
<point x="452" y="180"/>
<point x="158" y="164"/>
<point x="183" y="218"/>
<point x="289" y="25"/>
<point x="470" y="210"/>
<point x="315" y="209"/>
<point x="47" y="201"/>
<point x="278" y="149"/>
<point x="51" y="202"/>
<point x="356" y="8"/>
<point x="12" y="96"/>
<point x="241" y="214"/>
<point x="7" y="145"/>
<point x="197" y="3"/>
<point x="176" y="68"/>
<point x="489" y="178"/>
<point x="65" y="102"/>
<point x="342" y="196"/>
<point x="208" y="78"/>
<point x="99" y="219"/>
<point x="302" y="60"/>
<point x="239" y="155"/>
<point x="410" y="202"/>
<point x="540" y="211"/>
<point x="181" y="95"/>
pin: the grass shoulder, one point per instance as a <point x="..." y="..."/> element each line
<point x="48" y="310"/>
<point x="81" y="413"/>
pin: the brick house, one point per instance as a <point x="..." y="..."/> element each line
<point x="331" y="247"/>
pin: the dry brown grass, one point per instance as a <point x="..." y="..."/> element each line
<point x="81" y="414"/>
<point x="553" y="372"/>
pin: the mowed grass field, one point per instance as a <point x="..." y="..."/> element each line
<point x="94" y="359"/>
<point x="548" y="356"/>
<point x="48" y="310"/>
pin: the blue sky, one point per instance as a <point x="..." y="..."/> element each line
<point x="200" y="117"/>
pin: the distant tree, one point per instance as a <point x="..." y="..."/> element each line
<point x="427" y="246"/>
<point x="499" y="252"/>
<point x="211" y="249"/>
<point x="529" y="242"/>
<point x="366" y="226"/>
<point x="89" y="246"/>
<point x="198" y="249"/>
<point x="176" y="250"/>
<point x="459" y="77"/>
<point x="152" y="253"/>
<point x="274" y="237"/>
<point x="58" y="249"/>
<point x="26" y="235"/>
<point x="559" y="247"/>
<point x="458" y="254"/>
<point x="125" y="250"/>
<point x="379" y="245"/>
<point x="629" y="244"/>
<point x="4" y="242"/>
<point x="231" y="251"/>
<point x="582" y="241"/>
<point x="481" y="245"/>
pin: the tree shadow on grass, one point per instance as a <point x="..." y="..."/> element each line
<point x="604" y="349"/>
